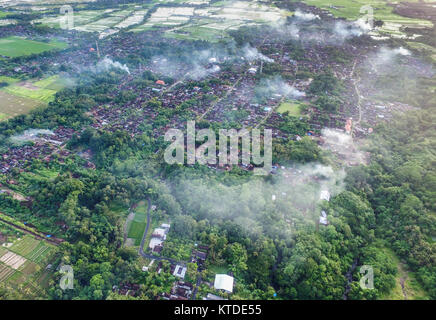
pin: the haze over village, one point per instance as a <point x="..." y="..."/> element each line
<point x="89" y="89"/>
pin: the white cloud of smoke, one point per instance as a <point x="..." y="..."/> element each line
<point x="252" y="54"/>
<point x="305" y="16"/>
<point x="318" y="31"/>
<point x="342" y="145"/>
<point x="291" y="197"/>
<point x="107" y="63"/>
<point x="277" y="86"/>
<point x="202" y="63"/>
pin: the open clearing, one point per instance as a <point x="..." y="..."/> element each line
<point x="24" y="89"/>
<point x="11" y="105"/>
<point x="293" y="108"/>
<point x="406" y="285"/>
<point x="138" y="224"/>
<point x="18" y="46"/>
<point x="19" y="97"/>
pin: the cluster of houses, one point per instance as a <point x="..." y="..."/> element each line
<point x="42" y="148"/>
<point x="234" y="88"/>
<point x="183" y="289"/>
<point x="180" y="291"/>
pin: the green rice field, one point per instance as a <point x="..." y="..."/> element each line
<point x="137" y="226"/>
<point x="19" y="97"/>
<point x="18" y="46"/>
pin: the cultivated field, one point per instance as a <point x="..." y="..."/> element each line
<point x="25" y="246"/>
<point x="208" y="22"/>
<point x="393" y="23"/>
<point x="24" y="264"/>
<point x="5" y="272"/>
<point x="18" y="46"/>
<point x="13" y="260"/>
<point x="106" y="22"/>
<point x="137" y="226"/>
<point x="27" y="90"/>
<point x="12" y="105"/>
<point x="19" y="97"/>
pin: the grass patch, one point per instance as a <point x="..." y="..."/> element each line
<point x="47" y="173"/>
<point x="406" y="286"/>
<point x="17" y="46"/>
<point x="293" y="108"/>
<point x="136" y="231"/>
<point x="8" y="80"/>
<point x="12" y="105"/>
<point x="44" y="95"/>
<point x="25" y="245"/>
<point x="137" y="227"/>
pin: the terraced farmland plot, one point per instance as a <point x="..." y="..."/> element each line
<point x="136" y="18"/>
<point x="29" y="268"/>
<point x="5" y="272"/>
<point x="16" y="278"/>
<point x="80" y="18"/>
<point x="100" y="25"/>
<point x="13" y="260"/>
<point x="25" y="246"/>
<point x="41" y="252"/>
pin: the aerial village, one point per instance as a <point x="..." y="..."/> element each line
<point x="223" y="89"/>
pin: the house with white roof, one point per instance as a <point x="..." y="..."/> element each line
<point x="223" y="282"/>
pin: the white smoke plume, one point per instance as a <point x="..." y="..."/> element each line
<point x="385" y="58"/>
<point x="277" y="87"/>
<point x="252" y="54"/>
<point x="305" y="16"/>
<point x="386" y="55"/>
<point x="342" y="145"/>
<point x="199" y="72"/>
<point x="344" y="30"/>
<point x="31" y="135"/>
<point x="107" y="63"/>
<point x="199" y="64"/>
<point x="291" y="196"/>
